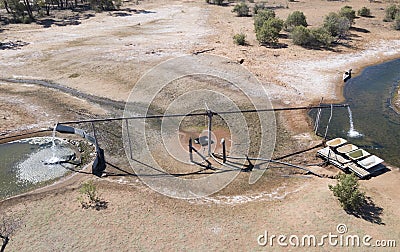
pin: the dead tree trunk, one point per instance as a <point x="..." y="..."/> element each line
<point x="6" y="6"/>
<point x="5" y="242"/>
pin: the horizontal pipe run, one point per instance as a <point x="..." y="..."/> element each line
<point x="204" y="114"/>
<point x="277" y="162"/>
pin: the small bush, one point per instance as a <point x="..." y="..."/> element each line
<point x="261" y="17"/>
<point x="348" y="193"/>
<point x="317" y="37"/>
<point x="242" y="10"/>
<point x="239" y="39"/>
<point x="322" y="37"/>
<point x="268" y="33"/>
<point x="90" y="198"/>
<point x="348" y="12"/>
<point x="396" y="24"/>
<point x="336" y="25"/>
<point x="258" y="7"/>
<point x="391" y="12"/>
<point x="301" y="35"/>
<point x="104" y="5"/>
<point x="26" y="20"/>
<point x="294" y="19"/>
<point x="364" y="12"/>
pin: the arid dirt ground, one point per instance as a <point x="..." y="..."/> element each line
<point x="106" y="53"/>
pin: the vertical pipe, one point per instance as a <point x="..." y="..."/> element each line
<point x="209" y="114"/>
<point x="129" y="138"/>
<point x="95" y="137"/>
<point x="316" y="124"/>
<point x="223" y="150"/>
<point x="329" y="121"/>
<point x="190" y="150"/>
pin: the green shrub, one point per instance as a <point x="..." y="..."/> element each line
<point x="364" y="12"/>
<point x="348" y="193"/>
<point x="239" y="39"/>
<point x="396" y="24"/>
<point x="26" y="20"/>
<point x="322" y="37"/>
<point x="90" y="198"/>
<point x="301" y="35"/>
<point x="336" y="25"/>
<point x="268" y="33"/>
<point x="104" y="5"/>
<point x="258" y="7"/>
<point x="261" y="17"/>
<point x="348" y="12"/>
<point x="294" y="19"/>
<point x="242" y="10"/>
<point x="391" y="12"/>
<point x="317" y="37"/>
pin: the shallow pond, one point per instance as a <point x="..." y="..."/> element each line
<point x="30" y="163"/>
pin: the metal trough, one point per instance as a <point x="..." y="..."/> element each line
<point x="347" y="148"/>
<point x="370" y="162"/>
<point x="336" y="142"/>
<point x="357" y="154"/>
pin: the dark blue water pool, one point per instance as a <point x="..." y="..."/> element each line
<point x="369" y="98"/>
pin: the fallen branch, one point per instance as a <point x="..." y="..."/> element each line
<point x="203" y="51"/>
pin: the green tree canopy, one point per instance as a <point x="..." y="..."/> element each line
<point x="391" y="12"/>
<point x="317" y="37"/>
<point x="364" y="12"/>
<point x="268" y="33"/>
<point x="336" y="25"/>
<point x="348" y="193"/>
<point x="242" y="10"/>
<point x="349" y="13"/>
<point x="294" y="19"/>
<point x="261" y="17"/>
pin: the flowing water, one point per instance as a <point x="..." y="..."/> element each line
<point x="352" y="132"/>
<point x="371" y="123"/>
<point x="30" y="163"/>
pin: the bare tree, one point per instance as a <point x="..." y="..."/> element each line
<point x="8" y="225"/>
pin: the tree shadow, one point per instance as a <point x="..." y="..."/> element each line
<point x="98" y="204"/>
<point x="276" y="7"/>
<point x="12" y="45"/>
<point x="378" y="170"/>
<point x="48" y="22"/>
<point x="73" y="20"/>
<point x="358" y="29"/>
<point x="120" y="14"/>
<point x="283" y="35"/>
<point x="275" y="45"/>
<point x="369" y="212"/>
<point x="136" y="11"/>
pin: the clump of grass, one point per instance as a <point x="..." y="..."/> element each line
<point x="240" y="39"/>
<point x="74" y="75"/>
<point x="89" y="197"/>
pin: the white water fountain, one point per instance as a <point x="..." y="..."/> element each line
<point x="54" y="159"/>
<point x="352" y="132"/>
<point x="47" y="162"/>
